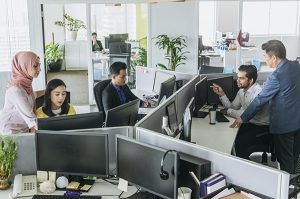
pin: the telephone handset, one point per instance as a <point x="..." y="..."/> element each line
<point x="24" y="186"/>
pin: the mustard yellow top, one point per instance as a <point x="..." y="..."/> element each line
<point x="40" y="113"/>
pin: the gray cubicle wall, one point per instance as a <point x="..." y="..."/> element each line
<point x="4" y="77"/>
<point x="184" y="95"/>
<point x="256" y="177"/>
<point x="26" y="155"/>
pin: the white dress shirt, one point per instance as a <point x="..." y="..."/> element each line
<point x="17" y="114"/>
<point x="242" y="100"/>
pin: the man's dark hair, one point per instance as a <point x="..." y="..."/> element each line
<point x="116" y="67"/>
<point x="251" y="72"/>
<point x="47" y="108"/>
<point x="94" y="33"/>
<point x="274" y="47"/>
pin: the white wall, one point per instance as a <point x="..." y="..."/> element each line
<point x="227" y="16"/>
<point x="174" y="19"/>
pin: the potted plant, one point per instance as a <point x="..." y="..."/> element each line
<point x="71" y="24"/>
<point x="8" y="153"/>
<point x="53" y="55"/>
<point x="173" y="50"/>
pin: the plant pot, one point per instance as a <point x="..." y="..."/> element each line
<point x="4" y="184"/>
<point x="54" y="66"/>
<point x="71" y="35"/>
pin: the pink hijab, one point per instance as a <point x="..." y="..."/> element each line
<point x="22" y="63"/>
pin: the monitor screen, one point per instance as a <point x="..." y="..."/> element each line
<point x="69" y="122"/>
<point x="187" y="121"/>
<point x="171" y="111"/>
<point x="160" y="77"/>
<point x="210" y="69"/>
<point x="139" y="163"/>
<point x="109" y="41"/>
<point x="227" y="85"/>
<point x="167" y="88"/>
<point x="200" y="94"/>
<point x="124" y="115"/>
<point x="69" y="153"/>
<point x="122" y="37"/>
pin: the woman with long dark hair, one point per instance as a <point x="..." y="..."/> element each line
<point x="55" y="101"/>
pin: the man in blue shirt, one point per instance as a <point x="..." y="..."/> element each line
<point x="282" y="92"/>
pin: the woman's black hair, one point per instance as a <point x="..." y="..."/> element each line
<point x="47" y="108"/>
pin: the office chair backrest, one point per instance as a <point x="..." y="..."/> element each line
<point x="40" y="100"/>
<point x="98" y="89"/>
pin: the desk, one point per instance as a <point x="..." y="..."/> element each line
<point x="218" y="137"/>
<point x="101" y="187"/>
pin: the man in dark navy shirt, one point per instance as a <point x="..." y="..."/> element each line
<point x="117" y="92"/>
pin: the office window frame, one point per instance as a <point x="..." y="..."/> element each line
<point x="269" y="33"/>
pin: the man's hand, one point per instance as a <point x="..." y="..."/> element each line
<point x="218" y="90"/>
<point x="237" y="123"/>
<point x="94" y="41"/>
<point x="224" y="111"/>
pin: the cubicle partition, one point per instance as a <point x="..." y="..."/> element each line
<point x="145" y="77"/>
<point x="26" y="156"/>
<point x="256" y="177"/>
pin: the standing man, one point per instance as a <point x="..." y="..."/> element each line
<point x="247" y="136"/>
<point x="282" y="92"/>
<point x="96" y="44"/>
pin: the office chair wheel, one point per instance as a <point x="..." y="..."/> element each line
<point x="264" y="158"/>
<point x="273" y="157"/>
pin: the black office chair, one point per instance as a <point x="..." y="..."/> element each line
<point x="40" y="100"/>
<point x="98" y="89"/>
<point x="266" y="147"/>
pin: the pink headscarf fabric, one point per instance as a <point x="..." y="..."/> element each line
<point x="22" y="63"/>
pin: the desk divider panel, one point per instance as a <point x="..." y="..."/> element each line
<point x="184" y="95"/>
<point x="145" y="77"/>
<point x="26" y="156"/>
<point x="259" y="178"/>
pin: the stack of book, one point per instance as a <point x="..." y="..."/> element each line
<point x="212" y="183"/>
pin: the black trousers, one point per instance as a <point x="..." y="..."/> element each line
<point x="287" y="150"/>
<point x="251" y="138"/>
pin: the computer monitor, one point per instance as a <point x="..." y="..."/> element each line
<point x="122" y="37"/>
<point x="187" y="121"/>
<point x="227" y="85"/>
<point x="210" y="69"/>
<point x="79" y="154"/>
<point x="167" y="88"/>
<point x="172" y="115"/>
<point x="124" y="115"/>
<point x="200" y="94"/>
<point x="140" y="164"/>
<point x="109" y="41"/>
<point x="159" y="78"/>
<point x="69" y="122"/>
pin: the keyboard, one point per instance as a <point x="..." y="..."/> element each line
<point x="200" y="114"/>
<point x="64" y="197"/>
<point x="220" y="117"/>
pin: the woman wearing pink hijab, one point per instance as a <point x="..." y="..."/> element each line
<point x="18" y="114"/>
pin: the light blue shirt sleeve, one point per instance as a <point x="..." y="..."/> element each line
<point x="270" y="90"/>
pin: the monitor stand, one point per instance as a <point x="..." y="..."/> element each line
<point x="200" y="114"/>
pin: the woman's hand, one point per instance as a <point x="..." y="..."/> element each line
<point x="33" y="129"/>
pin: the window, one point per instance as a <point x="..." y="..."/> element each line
<point x="14" y="31"/>
<point x="270" y="17"/>
<point x="207" y="17"/>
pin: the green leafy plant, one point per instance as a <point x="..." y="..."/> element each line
<point x="70" y="23"/>
<point x="173" y="50"/>
<point x="140" y="59"/>
<point x="8" y="153"/>
<point x="53" y="52"/>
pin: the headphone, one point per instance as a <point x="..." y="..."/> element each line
<point x="164" y="175"/>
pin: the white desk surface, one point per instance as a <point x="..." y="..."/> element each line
<point x="101" y="187"/>
<point x="219" y="137"/>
